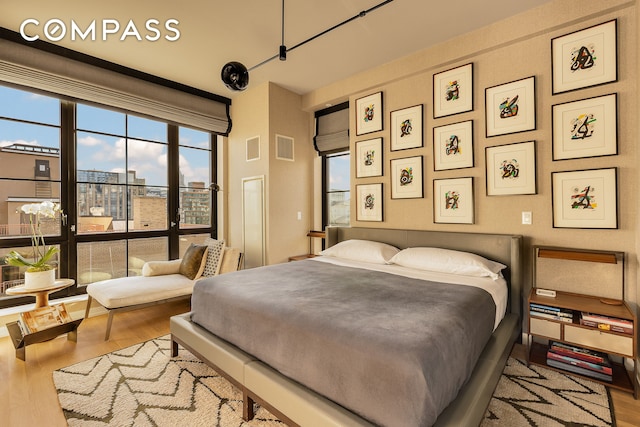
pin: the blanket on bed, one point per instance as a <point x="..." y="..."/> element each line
<point x="392" y="349"/>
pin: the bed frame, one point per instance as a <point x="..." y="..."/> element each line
<point x="295" y="404"/>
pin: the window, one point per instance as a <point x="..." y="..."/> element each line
<point x="195" y="178"/>
<point x="140" y="189"/>
<point x="121" y="172"/>
<point x="337" y="184"/>
<point x="30" y="172"/>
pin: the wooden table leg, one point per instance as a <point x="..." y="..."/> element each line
<point x="42" y="299"/>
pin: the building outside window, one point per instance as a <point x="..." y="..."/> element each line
<point x="133" y="178"/>
<point x="337" y="189"/>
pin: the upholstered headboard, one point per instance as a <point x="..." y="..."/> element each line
<point x="502" y="248"/>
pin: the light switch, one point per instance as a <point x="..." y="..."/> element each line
<point x="299" y="216"/>
<point x="526" y="218"/>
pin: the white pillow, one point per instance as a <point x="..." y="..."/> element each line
<point x="362" y="250"/>
<point x="448" y="261"/>
<point x="160" y="268"/>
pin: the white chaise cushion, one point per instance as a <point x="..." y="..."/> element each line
<point x="128" y="291"/>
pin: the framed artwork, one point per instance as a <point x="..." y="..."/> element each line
<point x="369" y="158"/>
<point x="585" y="58"/>
<point x="453" y="200"/>
<point x="585" y="128"/>
<point x="453" y="91"/>
<point x="406" y="128"/>
<point x="369" y="202"/>
<point x="453" y="146"/>
<point x="511" y="169"/>
<point x="369" y="114"/>
<point x="406" y="178"/>
<point x="511" y="107"/>
<point x="585" y="199"/>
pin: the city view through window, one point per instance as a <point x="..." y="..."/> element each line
<point x="121" y="179"/>
<point x="337" y="197"/>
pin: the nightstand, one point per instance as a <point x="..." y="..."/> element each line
<point x="561" y="335"/>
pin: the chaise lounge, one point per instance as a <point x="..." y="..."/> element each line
<point x="163" y="281"/>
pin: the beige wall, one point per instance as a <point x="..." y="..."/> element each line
<point x="516" y="48"/>
<point x="266" y="111"/>
<point x="250" y="112"/>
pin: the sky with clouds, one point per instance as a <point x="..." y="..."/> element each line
<point x="96" y="151"/>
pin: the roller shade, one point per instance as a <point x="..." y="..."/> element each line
<point x="332" y="129"/>
<point x="61" y="75"/>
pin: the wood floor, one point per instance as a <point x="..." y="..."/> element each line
<point x="29" y="398"/>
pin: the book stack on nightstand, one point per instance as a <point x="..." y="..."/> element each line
<point x="590" y="363"/>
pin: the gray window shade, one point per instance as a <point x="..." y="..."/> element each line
<point x="35" y="68"/>
<point x="332" y="130"/>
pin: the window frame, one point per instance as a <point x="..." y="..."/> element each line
<point x="325" y="185"/>
<point x="69" y="237"/>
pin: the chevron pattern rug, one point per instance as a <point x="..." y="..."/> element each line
<point x="143" y="386"/>
<point x="535" y="396"/>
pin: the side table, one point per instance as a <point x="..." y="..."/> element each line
<point x="42" y="295"/>
<point x="20" y="341"/>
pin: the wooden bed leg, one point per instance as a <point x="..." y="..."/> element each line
<point x="174" y="348"/>
<point x="247" y="406"/>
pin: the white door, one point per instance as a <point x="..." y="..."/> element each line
<point x="253" y="233"/>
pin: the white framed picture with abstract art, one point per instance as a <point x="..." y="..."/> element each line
<point x="585" y="199"/>
<point x="585" y="128"/>
<point x="369" y="113"/>
<point x="406" y="178"/>
<point x="453" y="146"/>
<point x="453" y="91"/>
<point x="585" y="58"/>
<point x="369" y="158"/>
<point x="369" y="202"/>
<point x="453" y="201"/>
<point x="406" y="128"/>
<point x="511" y="169"/>
<point x="511" y="107"/>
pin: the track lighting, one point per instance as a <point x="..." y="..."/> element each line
<point x="235" y="75"/>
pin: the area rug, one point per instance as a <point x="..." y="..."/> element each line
<point x="536" y="396"/>
<point x="142" y="385"/>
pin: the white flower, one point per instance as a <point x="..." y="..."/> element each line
<point x="41" y="254"/>
<point x="31" y="209"/>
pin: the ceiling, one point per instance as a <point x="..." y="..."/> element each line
<point x="214" y="32"/>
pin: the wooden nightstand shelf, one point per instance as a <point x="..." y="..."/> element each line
<point x="543" y="330"/>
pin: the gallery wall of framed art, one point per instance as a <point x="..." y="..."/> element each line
<point x="517" y="133"/>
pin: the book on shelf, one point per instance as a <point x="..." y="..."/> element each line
<point x="580" y="353"/>
<point x="578" y="370"/>
<point x="596" y="367"/>
<point x="550" y="310"/>
<point x="598" y="318"/>
<point x="550" y="316"/>
<point x="45" y="317"/>
<point x="607" y="326"/>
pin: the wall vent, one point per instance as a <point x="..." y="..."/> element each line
<point x="284" y="148"/>
<point x="253" y="148"/>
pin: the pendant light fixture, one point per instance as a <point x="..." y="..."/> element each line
<point x="235" y="75"/>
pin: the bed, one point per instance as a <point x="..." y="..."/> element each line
<point x="335" y="341"/>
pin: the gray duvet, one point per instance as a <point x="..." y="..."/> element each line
<point x="392" y="349"/>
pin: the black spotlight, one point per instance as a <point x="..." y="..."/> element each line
<point x="235" y="76"/>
